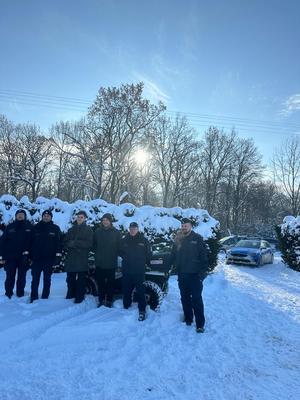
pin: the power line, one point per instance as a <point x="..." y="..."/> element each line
<point x="76" y="101"/>
<point x="199" y="120"/>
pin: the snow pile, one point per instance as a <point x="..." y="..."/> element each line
<point x="155" y="222"/>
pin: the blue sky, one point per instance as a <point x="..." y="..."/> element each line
<point x="229" y="62"/>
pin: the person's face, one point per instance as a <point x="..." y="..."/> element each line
<point x="46" y="218"/>
<point x="106" y="223"/>
<point x="80" y="218"/>
<point x="133" y="230"/>
<point x="186" y="228"/>
<point x="20" y="217"/>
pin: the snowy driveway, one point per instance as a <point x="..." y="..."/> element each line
<point x="53" y="349"/>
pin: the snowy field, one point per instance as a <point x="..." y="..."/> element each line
<point x="54" y="349"/>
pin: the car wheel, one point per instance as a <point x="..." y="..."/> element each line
<point x="153" y="293"/>
<point x="259" y="262"/>
<point x="272" y="259"/>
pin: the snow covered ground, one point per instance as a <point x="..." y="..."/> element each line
<point x="54" y="349"/>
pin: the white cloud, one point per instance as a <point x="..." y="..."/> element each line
<point x="152" y="91"/>
<point x="291" y="104"/>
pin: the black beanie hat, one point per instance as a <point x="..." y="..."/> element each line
<point x="186" y="221"/>
<point x="133" y="225"/>
<point x="107" y="216"/>
<point x="48" y="212"/>
<point x="21" y="212"/>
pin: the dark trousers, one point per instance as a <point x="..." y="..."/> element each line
<point x="36" y="270"/>
<point x="129" y="282"/>
<point x="76" y="285"/>
<point x="105" y="281"/>
<point x="191" y="287"/>
<point x="11" y="268"/>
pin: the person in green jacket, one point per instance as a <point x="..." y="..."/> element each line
<point x="106" y="247"/>
<point x="78" y="242"/>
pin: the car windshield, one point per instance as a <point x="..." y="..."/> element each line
<point x="253" y="244"/>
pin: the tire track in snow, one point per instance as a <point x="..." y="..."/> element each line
<point x="34" y="328"/>
<point x="258" y="287"/>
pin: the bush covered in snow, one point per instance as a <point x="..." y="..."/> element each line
<point x="158" y="224"/>
<point x="289" y="241"/>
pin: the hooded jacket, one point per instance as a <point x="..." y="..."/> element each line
<point x="136" y="254"/>
<point x="189" y="255"/>
<point x="106" y="247"/>
<point x="15" y="240"/>
<point x="46" y="242"/>
<point x="78" y="243"/>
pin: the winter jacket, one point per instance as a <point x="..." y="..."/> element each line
<point x="46" y="242"/>
<point x="106" y="247"/>
<point x="15" y="241"/>
<point x="189" y="254"/>
<point x="78" y="243"/>
<point x="136" y="254"/>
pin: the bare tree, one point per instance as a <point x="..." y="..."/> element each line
<point x="286" y="166"/>
<point x="105" y="140"/>
<point x="8" y="155"/>
<point x="173" y="148"/>
<point x="35" y="157"/>
<point x="246" y="170"/>
<point x="216" y="157"/>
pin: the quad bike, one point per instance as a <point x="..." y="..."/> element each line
<point x="156" y="278"/>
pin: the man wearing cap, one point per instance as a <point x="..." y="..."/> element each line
<point x="136" y="254"/>
<point x="78" y="243"/>
<point x="45" y="253"/>
<point x="14" y="252"/>
<point x="189" y="255"/>
<point x="106" y="247"/>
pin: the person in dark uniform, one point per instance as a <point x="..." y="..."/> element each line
<point x="189" y="255"/>
<point x="78" y="243"/>
<point x="106" y="248"/>
<point x="136" y="254"/>
<point x="45" y="253"/>
<point x="14" y="253"/>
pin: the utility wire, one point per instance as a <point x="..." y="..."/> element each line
<point x="199" y="120"/>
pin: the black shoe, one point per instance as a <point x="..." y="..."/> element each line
<point x="200" y="329"/>
<point x="108" y="304"/>
<point x="142" y="316"/>
<point x="44" y="297"/>
<point x="32" y="299"/>
<point x="69" y="296"/>
<point x="188" y="323"/>
<point x="78" y="301"/>
<point x="8" y="295"/>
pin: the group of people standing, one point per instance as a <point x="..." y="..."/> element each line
<point x="39" y="247"/>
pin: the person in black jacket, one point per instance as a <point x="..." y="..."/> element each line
<point x="135" y="252"/>
<point x="106" y="248"/>
<point x="189" y="254"/>
<point x="14" y="252"/>
<point x="78" y="243"/>
<point x="45" y="253"/>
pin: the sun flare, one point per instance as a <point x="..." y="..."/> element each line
<point x="141" y="157"/>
